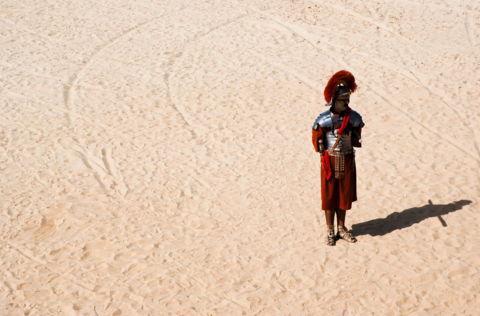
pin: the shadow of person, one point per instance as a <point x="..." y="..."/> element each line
<point x="406" y="218"/>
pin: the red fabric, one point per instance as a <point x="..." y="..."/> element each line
<point x="331" y="87"/>
<point x="326" y="159"/>
<point x="346" y="118"/>
<point x="339" y="193"/>
<point x="316" y="136"/>
<point x="326" y="165"/>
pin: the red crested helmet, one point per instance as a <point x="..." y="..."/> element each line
<point x="343" y="83"/>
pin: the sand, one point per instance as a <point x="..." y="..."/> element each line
<point x="156" y="157"/>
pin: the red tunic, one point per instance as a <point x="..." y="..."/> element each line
<point x="338" y="193"/>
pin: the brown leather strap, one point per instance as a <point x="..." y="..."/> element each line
<point x="339" y="153"/>
<point x="336" y="143"/>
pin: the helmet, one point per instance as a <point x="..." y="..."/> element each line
<point x="339" y="87"/>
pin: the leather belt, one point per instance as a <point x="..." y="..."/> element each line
<point x="339" y="153"/>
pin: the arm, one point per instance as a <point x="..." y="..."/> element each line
<point x="317" y="140"/>
<point x="357" y="138"/>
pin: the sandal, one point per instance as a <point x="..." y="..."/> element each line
<point x="330" y="239"/>
<point x="344" y="234"/>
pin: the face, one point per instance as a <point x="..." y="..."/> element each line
<point x="341" y="105"/>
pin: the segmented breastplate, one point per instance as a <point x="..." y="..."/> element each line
<point x="345" y="142"/>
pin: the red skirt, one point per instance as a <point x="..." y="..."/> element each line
<point x="339" y="193"/>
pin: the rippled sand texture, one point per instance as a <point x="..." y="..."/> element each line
<point x="156" y="157"/>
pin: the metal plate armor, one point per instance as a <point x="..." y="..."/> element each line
<point x="327" y="120"/>
<point x="356" y="119"/>
<point x="323" y="120"/>
<point x="344" y="144"/>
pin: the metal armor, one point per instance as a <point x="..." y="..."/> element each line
<point x="327" y="120"/>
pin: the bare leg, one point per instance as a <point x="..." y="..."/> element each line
<point x="342" y="230"/>
<point x="330" y="238"/>
<point x="341" y="217"/>
<point x="330" y="216"/>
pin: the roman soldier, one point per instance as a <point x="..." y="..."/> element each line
<point x="335" y="133"/>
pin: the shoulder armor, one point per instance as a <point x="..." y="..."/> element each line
<point x="356" y="119"/>
<point x="323" y="120"/>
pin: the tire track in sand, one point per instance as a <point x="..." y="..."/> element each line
<point x="178" y="106"/>
<point x="374" y="22"/>
<point x="69" y="88"/>
<point x="471" y="37"/>
<point x="69" y="100"/>
<point x="469" y="29"/>
<point x="301" y="32"/>
<point x="107" y="165"/>
<point x="191" y="126"/>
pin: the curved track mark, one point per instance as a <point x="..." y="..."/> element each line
<point x="294" y="29"/>
<point x="374" y="22"/>
<point x="24" y="29"/>
<point x="308" y="82"/>
<point x="178" y="107"/>
<point x="69" y="88"/>
<point x="433" y="6"/>
<point x="412" y="77"/>
<point x="468" y="28"/>
<point x="69" y="99"/>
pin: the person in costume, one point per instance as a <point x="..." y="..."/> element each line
<point x="334" y="134"/>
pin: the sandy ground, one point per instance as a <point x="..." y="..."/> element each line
<point x="156" y="157"/>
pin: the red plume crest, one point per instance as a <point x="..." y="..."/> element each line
<point x="331" y="87"/>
